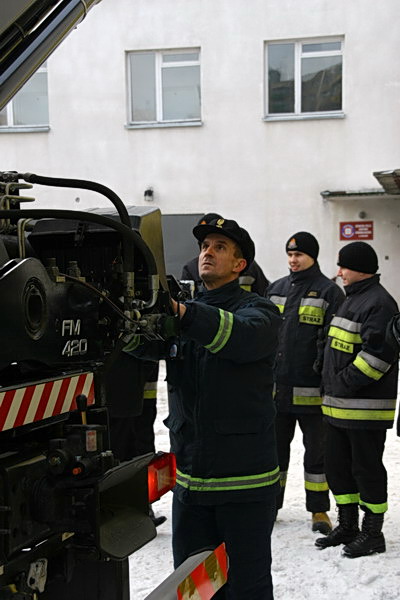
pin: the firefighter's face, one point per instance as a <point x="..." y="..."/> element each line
<point x="298" y="261"/>
<point x="348" y="276"/>
<point x="219" y="261"/>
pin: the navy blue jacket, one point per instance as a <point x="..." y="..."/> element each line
<point x="360" y="367"/>
<point x="307" y="300"/>
<point x="222" y="413"/>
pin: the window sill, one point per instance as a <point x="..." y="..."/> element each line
<point x="162" y="125"/>
<point x="25" y="129"/>
<point x="305" y="117"/>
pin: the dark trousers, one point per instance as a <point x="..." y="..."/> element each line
<point x="313" y="428"/>
<point x="133" y="436"/>
<point x="246" y="530"/>
<point x="354" y="465"/>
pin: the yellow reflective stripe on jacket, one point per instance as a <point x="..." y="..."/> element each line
<point x="375" y="508"/>
<point x="245" y="282"/>
<point x="279" y="302"/>
<point x="223" y="484"/>
<point x="223" y="333"/>
<point x="344" y="336"/>
<point x="150" y="390"/>
<point x="358" y="415"/>
<point x="306" y="396"/>
<point x="347" y="498"/>
<point x="315" y="482"/>
<point x="346" y="331"/>
<point x="312" y="310"/>
<point x="370" y="365"/>
<point x="359" y="409"/>
<point x="364" y="367"/>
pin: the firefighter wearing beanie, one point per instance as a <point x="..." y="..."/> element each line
<point x="307" y="300"/>
<point x="360" y="372"/>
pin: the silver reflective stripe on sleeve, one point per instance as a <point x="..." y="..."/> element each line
<point x="370" y="365"/>
<point x="279" y="301"/>
<point x="246" y="280"/>
<point x="317" y="302"/>
<point x="345" y="334"/>
<point x="346" y="324"/>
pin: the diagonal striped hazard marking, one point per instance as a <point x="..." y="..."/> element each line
<point x="24" y="405"/>
<point x="207" y="578"/>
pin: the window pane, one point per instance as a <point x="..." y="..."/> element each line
<point x="183" y="57"/>
<point x="321" y="84"/>
<point x="181" y="93"/>
<point x="324" y="47"/>
<point x="281" y="78"/>
<point x="3" y="116"/>
<point x="142" y="68"/>
<point x="30" y="106"/>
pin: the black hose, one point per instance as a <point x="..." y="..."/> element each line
<point x="84" y="185"/>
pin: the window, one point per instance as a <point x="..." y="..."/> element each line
<point x="304" y="78"/>
<point x="164" y="87"/>
<point x="29" y="107"/>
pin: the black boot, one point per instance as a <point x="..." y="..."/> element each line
<point x="370" y="540"/>
<point x="156" y="520"/>
<point x="346" y="531"/>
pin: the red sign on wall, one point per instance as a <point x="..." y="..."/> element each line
<point x="357" y="230"/>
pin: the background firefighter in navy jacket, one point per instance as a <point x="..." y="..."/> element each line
<point x="360" y="388"/>
<point x="307" y="300"/>
<point x="221" y="417"/>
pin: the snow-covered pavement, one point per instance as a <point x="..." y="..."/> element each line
<point x="300" y="571"/>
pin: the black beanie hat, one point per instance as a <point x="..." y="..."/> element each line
<point x="303" y="241"/>
<point x="358" y="256"/>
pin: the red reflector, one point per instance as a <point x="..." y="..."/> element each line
<point x="161" y="475"/>
<point x="207" y="578"/>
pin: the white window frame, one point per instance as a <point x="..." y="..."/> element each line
<point x="11" y="126"/>
<point x="298" y="55"/>
<point x="159" y="66"/>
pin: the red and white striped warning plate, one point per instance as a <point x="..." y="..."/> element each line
<point x="23" y="405"/>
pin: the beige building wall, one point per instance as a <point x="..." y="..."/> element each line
<point x="267" y="175"/>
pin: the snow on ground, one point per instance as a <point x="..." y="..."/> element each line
<point x="300" y="571"/>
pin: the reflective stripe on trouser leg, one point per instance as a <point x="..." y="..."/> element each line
<point x="354" y="466"/>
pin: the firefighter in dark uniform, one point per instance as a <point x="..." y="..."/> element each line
<point x="131" y="396"/>
<point x="307" y="300"/>
<point x="360" y="375"/>
<point x="252" y="279"/>
<point x="221" y="418"/>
